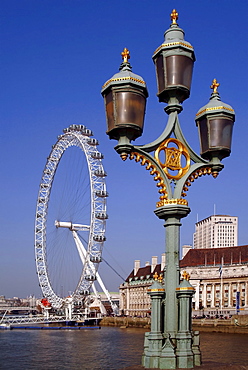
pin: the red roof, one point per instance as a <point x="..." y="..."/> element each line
<point x="144" y="271"/>
<point x="215" y="256"/>
<point x="201" y="257"/>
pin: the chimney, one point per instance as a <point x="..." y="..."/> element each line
<point x="147" y="263"/>
<point x="136" y="266"/>
<point x="163" y="261"/>
<point x="154" y="263"/>
<point x="185" y="249"/>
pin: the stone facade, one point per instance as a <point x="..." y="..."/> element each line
<point x="220" y="279"/>
<point x="219" y="276"/>
<point x="134" y="300"/>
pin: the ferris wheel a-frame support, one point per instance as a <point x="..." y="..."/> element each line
<point x="85" y="258"/>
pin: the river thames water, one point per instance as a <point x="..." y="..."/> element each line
<point x="108" y="348"/>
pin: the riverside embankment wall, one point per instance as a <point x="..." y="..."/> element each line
<point x="237" y="324"/>
<point x="126" y="322"/>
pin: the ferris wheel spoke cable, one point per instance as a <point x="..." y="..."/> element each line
<point x="80" y="186"/>
<point x="117" y="273"/>
<point x="107" y="263"/>
<point x="60" y="265"/>
<point x="117" y="263"/>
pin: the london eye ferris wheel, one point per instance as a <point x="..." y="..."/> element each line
<point x="70" y="217"/>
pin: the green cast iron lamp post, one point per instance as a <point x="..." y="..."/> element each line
<point x="175" y="166"/>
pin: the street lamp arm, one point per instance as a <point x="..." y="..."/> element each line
<point x="155" y="169"/>
<point x="196" y="170"/>
<point x="150" y="147"/>
<point x="180" y="136"/>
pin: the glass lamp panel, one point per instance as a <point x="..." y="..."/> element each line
<point x="130" y="108"/>
<point x="160" y="73"/>
<point x="203" y="134"/>
<point x="179" y="70"/>
<point x="220" y="132"/>
<point x="109" y="110"/>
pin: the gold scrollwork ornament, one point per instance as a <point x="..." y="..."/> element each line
<point x="173" y="158"/>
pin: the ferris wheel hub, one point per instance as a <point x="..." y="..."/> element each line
<point x="71" y="226"/>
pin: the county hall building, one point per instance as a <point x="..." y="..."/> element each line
<point x="218" y="273"/>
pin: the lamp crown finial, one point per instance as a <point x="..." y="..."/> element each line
<point x="155" y="276"/>
<point x="186" y="275"/>
<point x="214" y="85"/>
<point x="125" y="55"/>
<point x="160" y="278"/>
<point x="174" y="16"/>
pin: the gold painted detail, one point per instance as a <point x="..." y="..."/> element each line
<point x="125" y="55"/>
<point x="186" y="275"/>
<point x="123" y="79"/>
<point x="198" y="173"/>
<point x="158" y="177"/>
<point x="155" y="276"/>
<point x="153" y="171"/>
<point x="160" y="278"/>
<point x="214" y="85"/>
<point x="185" y="288"/>
<point x="123" y="156"/>
<point x="174" y="16"/>
<point x="155" y="290"/>
<point x="173" y="157"/>
<point x="214" y="108"/>
<point x="165" y="202"/>
<point x="173" y="44"/>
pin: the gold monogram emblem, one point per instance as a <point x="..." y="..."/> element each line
<point x="173" y="158"/>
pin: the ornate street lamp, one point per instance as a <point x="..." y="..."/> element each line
<point x="215" y="122"/>
<point x="125" y="102"/>
<point x="175" y="166"/>
<point x="174" y="61"/>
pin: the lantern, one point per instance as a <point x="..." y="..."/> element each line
<point x="215" y="124"/>
<point x="125" y="102"/>
<point x="174" y="61"/>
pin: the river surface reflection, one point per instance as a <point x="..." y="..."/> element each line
<point x="106" y="349"/>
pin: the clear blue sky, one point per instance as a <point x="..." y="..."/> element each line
<point x="54" y="57"/>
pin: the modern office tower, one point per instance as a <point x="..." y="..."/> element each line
<point x="216" y="231"/>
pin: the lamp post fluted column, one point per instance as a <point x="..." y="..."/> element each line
<point x="174" y="166"/>
<point x="172" y="216"/>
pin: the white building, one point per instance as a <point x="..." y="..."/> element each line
<point x="134" y="300"/>
<point x="220" y="279"/>
<point x="219" y="276"/>
<point x="218" y="231"/>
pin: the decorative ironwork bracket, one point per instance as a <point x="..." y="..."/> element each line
<point x="173" y="177"/>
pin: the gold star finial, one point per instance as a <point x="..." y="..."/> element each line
<point x="155" y="276"/>
<point x="214" y="85"/>
<point x="125" y="55"/>
<point x="174" y="16"/>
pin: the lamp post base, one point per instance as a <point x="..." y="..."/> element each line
<point x="171" y="343"/>
<point x="185" y="356"/>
